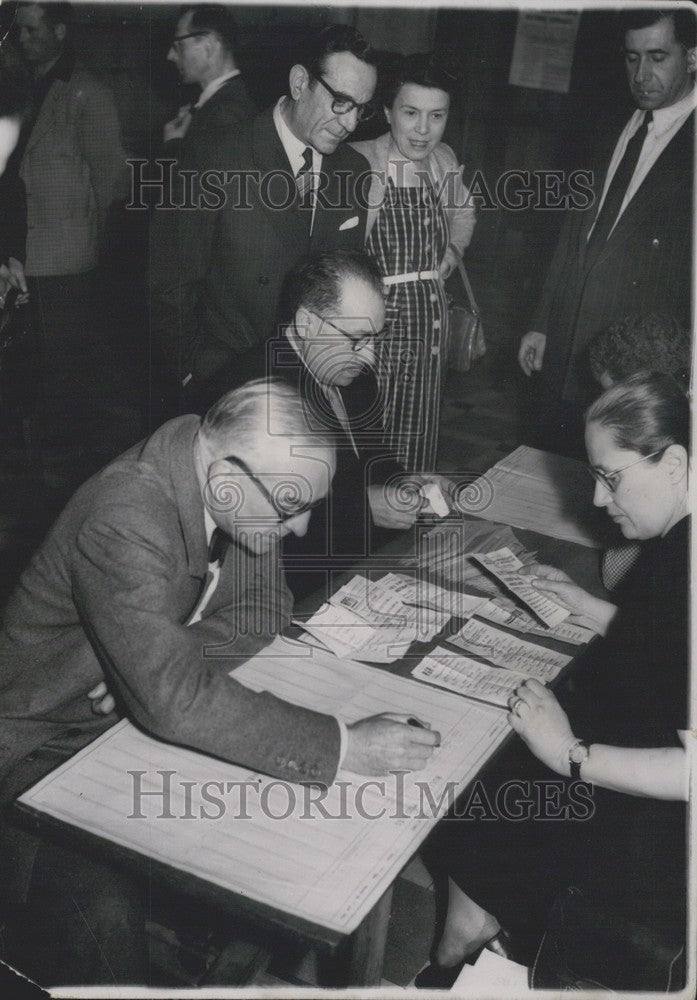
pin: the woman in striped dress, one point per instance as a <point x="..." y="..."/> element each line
<point x="419" y="219"/>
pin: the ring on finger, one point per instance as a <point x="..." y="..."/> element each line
<point x="516" y="705"/>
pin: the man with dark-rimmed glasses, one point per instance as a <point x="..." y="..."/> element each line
<point x="287" y="186"/>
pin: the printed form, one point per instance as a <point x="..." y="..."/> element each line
<point x="330" y="871"/>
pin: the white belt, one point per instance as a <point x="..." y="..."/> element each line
<point x="400" y="279"/>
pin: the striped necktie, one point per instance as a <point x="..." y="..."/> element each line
<point x="303" y="178"/>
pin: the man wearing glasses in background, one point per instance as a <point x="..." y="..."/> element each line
<point x="290" y="187"/>
<point x="204" y="51"/>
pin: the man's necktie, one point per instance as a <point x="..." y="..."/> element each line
<point x="216" y="556"/>
<point x="303" y="178"/>
<point x="333" y="394"/>
<point x="607" y="216"/>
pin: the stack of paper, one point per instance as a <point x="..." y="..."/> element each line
<point x="542" y="492"/>
<point x="366" y="620"/>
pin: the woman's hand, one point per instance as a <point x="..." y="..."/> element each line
<point x="591" y="612"/>
<point x="448" y="264"/>
<point x="542" y="723"/>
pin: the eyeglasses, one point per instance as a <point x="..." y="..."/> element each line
<point x="342" y="104"/>
<point x="357" y="343"/>
<point x="283" y="516"/>
<point x="610" y="480"/>
<point x="192" y="34"/>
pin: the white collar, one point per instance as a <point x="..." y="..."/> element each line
<point x="294" y="147"/>
<point x="665" y="118"/>
<point x="214" y="86"/>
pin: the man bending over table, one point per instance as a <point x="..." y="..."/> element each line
<point x="160" y="576"/>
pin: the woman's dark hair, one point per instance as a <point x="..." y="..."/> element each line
<point x="425" y="69"/>
<point x="642" y="342"/>
<point x="646" y="413"/>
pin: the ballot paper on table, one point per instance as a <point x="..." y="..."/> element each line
<point x="505" y="650"/>
<point x="456" y="672"/>
<point x="424" y="594"/>
<point x="365" y="620"/>
<point x="505" y="566"/>
<point x="501" y="611"/>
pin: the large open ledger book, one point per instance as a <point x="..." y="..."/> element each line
<point x="325" y="860"/>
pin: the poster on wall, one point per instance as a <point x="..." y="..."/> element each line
<point x="544" y="50"/>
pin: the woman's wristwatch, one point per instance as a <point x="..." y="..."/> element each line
<point x="579" y="751"/>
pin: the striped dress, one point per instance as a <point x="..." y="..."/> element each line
<point x="411" y="234"/>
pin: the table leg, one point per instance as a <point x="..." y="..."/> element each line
<point x="367" y="945"/>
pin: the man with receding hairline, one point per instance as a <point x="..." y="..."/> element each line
<point x="160" y="577"/>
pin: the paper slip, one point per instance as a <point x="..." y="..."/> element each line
<point x="474" y="680"/>
<point x="415" y="590"/>
<point x="504" y="650"/>
<point x="365" y="620"/>
<point x="349" y="637"/>
<point x="501" y="613"/>
<point x="433" y="493"/>
<point x="372" y="601"/>
<point x="504" y="566"/>
<point x="492" y="976"/>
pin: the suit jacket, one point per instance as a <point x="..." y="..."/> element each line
<point x="341" y="530"/>
<point x="13" y="217"/>
<point x="107" y="596"/>
<point x="71" y="168"/>
<point x="227" y="108"/>
<point x="645" y="266"/>
<point x="217" y="271"/>
<point x="444" y="171"/>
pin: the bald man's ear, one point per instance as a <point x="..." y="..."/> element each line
<point x="692" y="60"/>
<point x="306" y="323"/>
<point x="298" y="80"/>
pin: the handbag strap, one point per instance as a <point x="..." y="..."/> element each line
<point x="465" y="281"/>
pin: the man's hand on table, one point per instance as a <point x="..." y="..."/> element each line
<point x="389" y="742"/>
<point x="591" y="612"/>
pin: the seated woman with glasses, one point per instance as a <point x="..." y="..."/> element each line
<point x="617" y="725"/>
<point x="419" y="221"/>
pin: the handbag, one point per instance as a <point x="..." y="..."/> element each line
<point x="466" y="332"/>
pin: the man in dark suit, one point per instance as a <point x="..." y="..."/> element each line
<point x="133" y="586"/>
<point x="630" y="252"/>
<point x="204" y="52"/>
<point x="281" y="187"/>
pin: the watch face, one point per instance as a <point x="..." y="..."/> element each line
<point x="578" y="754"/>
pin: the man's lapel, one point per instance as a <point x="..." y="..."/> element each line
<point x="47" y="114"/>
<point x="277" y="184"/>
<point x="662" y="177"/>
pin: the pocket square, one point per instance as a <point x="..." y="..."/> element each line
<point x="349" y="224"/>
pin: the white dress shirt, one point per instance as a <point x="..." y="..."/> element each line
<point x="294" y="150"/>
<point x="665" y="125"/>
<point x="213" y="87"/>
